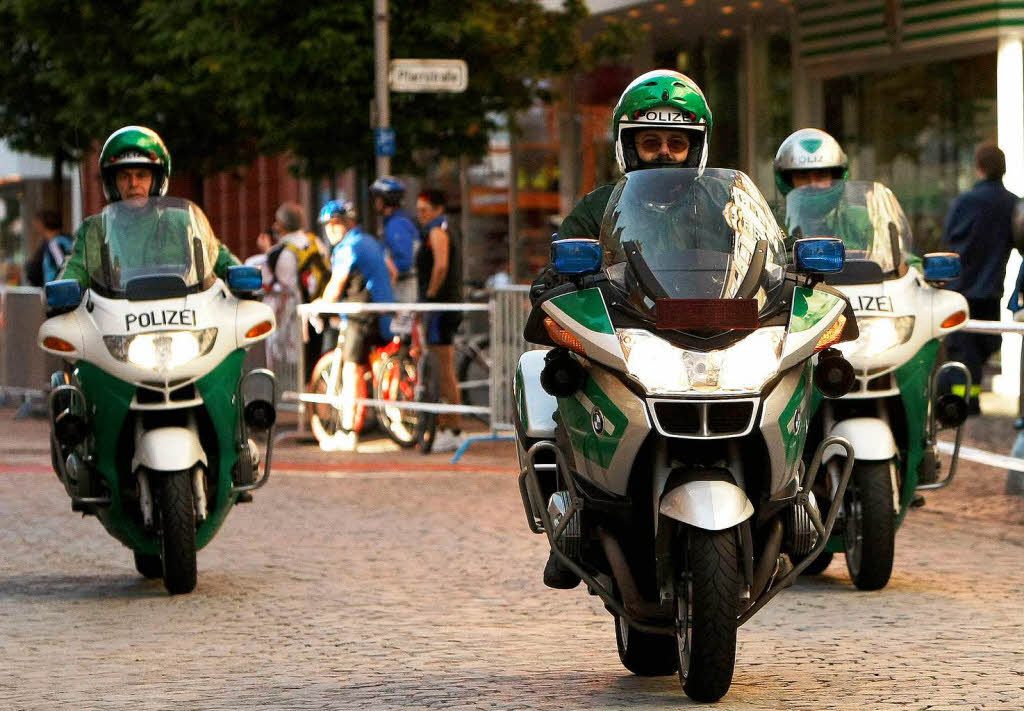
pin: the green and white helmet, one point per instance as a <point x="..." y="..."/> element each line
<point x="134" y="146"/>
<point x="808" y="149"/>
<point x="661" y="99"/>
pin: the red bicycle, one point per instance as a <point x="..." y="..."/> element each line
<point x="400" y="371"/>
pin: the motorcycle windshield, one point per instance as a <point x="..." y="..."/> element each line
<point x="682" y="233"/>
<point x="866" y="216"/>
<point x="152" y="237"/>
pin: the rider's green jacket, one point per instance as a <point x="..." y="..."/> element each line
<point x="89" y="240"/>
<point x="585" y="218"/>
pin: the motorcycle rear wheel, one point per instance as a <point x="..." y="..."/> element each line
<point x="149" y="566"/>
<point x="178" y="530"/>
<point x="643" y="653"/>
<point x="707" y="604"/>
<point x="869" y="525"/>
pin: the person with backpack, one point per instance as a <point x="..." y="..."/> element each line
<point x="298" y="272"/>
<point x="46" y="263"/>
<point x="359" y="273"/>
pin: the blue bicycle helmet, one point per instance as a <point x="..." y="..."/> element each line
<point x="390" y="189"/>
<point x="337" y="209"/>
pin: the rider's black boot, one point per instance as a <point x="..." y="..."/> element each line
<point x="559" y="577"/>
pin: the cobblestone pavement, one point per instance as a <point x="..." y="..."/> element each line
<point x="390" y="581"/>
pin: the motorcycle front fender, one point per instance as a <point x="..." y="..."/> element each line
<point x="710" y="505"/>
<point x="168" y="449"/>
<point x="871" y="438"/>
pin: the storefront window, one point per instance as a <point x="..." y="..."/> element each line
<point x="915" y="130"/>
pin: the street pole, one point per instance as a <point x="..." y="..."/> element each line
<point x="381" y="55"/>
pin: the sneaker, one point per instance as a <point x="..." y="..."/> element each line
<point x="341" y="442"/>
<point x="446" y="441"/>
<point x="559" y="577"/>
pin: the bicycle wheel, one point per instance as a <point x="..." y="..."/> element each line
<point x="396" y="381"/>
<point x="325" y="419"/>
<point x="428" y="389"/>
<point x="474" y="373"/>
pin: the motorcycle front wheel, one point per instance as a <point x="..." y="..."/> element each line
<point x="707" y="604"/>
<point x="177" y="530"/>
<point x="869" y="525"/>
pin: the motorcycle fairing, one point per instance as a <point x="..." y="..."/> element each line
<point x="711" y="505"/>
<point x="871" y="438"/>
<point x="606" y="423"/>
<point x="217" y="389"/>
<point x="811" y="308"/>
<point x="784" y="428"/>
<point x="585" y="315"/>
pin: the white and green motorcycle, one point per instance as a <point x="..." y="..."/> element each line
<point x="661" y="435"/>
<point x="153" y="421"/>
<point x="894" y="413"/>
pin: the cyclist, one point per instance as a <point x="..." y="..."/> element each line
<point x="358" y="274"/>
<point x="401" y="236"/>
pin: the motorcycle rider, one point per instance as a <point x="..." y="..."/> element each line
<point x="135" y="165"/>
<point x="812" y="160"/>
<point x="358" y="273"/>
<point x="661" y="120"/>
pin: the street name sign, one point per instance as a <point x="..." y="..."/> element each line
<point x="429" y="75"/>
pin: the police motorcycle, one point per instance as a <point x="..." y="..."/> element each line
<point x="154" y="426"/>
<point x="660" y="433"/>
<point x="894" y="412"/>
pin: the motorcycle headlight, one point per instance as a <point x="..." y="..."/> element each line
<point x="663" y="368"/>
<point x="161" y="350"/>
<point x="877" y="335"/>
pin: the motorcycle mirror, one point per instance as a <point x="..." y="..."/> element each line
<point x="819" y="255"/>
<point x="244" y="278"/>
<point x="940" y="267"/>
<point x="576" y="256"/>
<point x="62" y="296"/>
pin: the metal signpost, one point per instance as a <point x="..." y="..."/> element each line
<point x="407" y="75"/>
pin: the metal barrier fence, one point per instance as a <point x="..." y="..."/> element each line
<point x="24" y="368"/>
<point x="507" y="308"/>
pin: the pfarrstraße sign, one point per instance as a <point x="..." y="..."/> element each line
<point x="429" y="75"/>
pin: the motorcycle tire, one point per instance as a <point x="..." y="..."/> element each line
<point x="149" y="566"/>
<point x="817" y="566"/>
<point x="707" y="604"/>
<point x="869" y="525"/>
<point x="643" y="653"/>
<point x="428" y="389"/>
<point x="177" y="530"/>
<point x="396" y="380"/>
<point x="473" y="365"/>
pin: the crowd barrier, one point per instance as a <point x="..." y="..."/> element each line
<point x="24" y="368"/>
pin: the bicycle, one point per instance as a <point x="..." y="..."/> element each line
<point x="399" y="371"/>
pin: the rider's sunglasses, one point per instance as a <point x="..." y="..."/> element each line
<point x="653" y="144"/>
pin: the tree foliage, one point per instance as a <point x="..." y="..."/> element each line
<point x="222" y="80"/>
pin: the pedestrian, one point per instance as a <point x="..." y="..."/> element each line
<point x="978" y="227"/>
<point x="359" y="273"/>
<point x="264" y="241"/>
<point x="297" y="271"/>
<point x="439" y="279"/>
<point x="401" y="240"/>
<point x="54" y="248"/>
